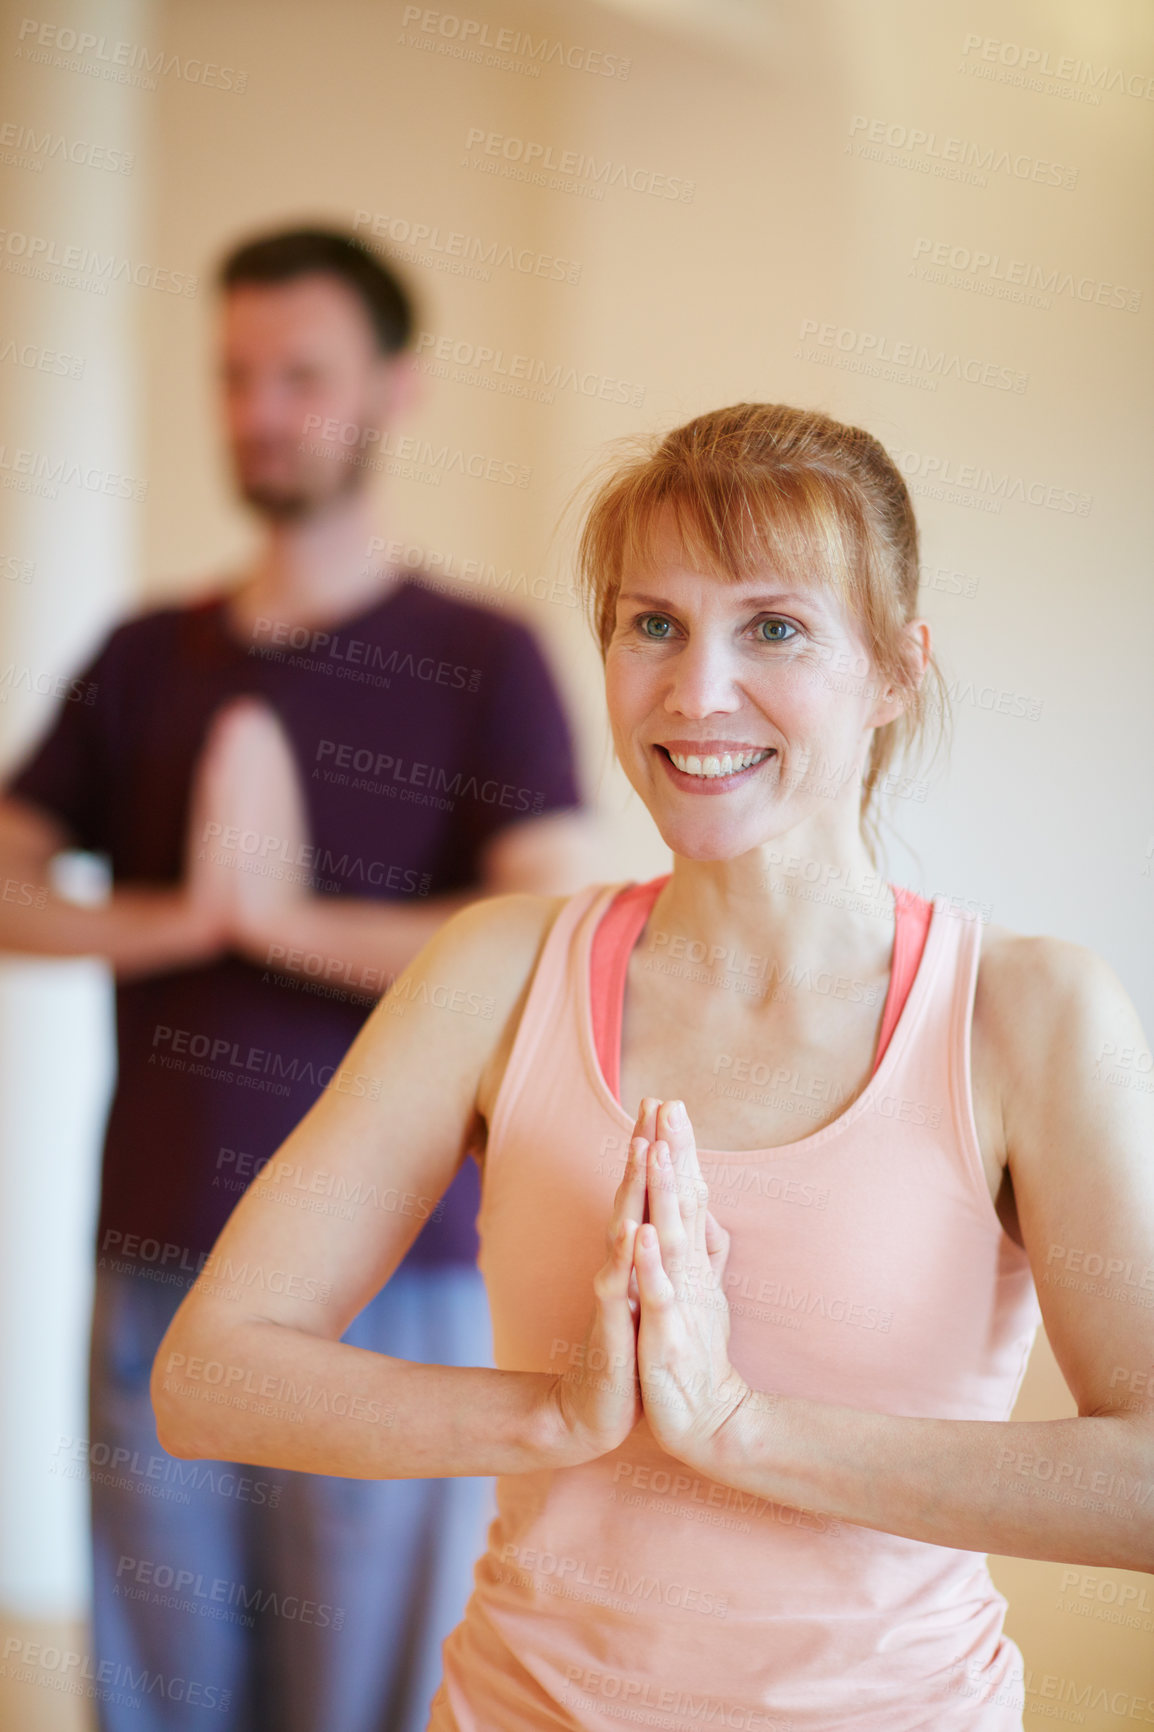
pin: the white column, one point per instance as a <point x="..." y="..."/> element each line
<point x="68" y="566"/>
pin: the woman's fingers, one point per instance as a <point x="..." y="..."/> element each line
<point x="649" y="1261"/>
<point x="662" y="1183"/>
<point x="684" y="1180"/>
<point x="716" y="1238"/>
<point x="597" y="1395"/>
<point x="614" y="1329"/>
<point x="716" y="1247"/>
<point x="618" y="1326"/>
<point x="692" y="1192"/>
<point x="646" y="1124"/>
<point x="612" y="1279"/>
<point x="629" y="1200"/>
<point x="665" y="1210"/>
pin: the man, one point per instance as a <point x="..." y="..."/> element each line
<point x="296" y="780"/>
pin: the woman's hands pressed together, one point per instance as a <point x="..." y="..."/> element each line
<point x="658" y="1339"/>
<point x="598" y="1396"/>
<point x="689" y="1389"/>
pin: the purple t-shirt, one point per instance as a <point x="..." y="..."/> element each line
<point x="420" y="728"/>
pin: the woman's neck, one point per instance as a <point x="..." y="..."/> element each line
<point x="807" y="907"/>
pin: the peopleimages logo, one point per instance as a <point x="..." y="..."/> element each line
<point x="76" y="1674"/>
<point x="1035" y="64"/>
<point x="226" y="1055"/>
<point x="17" y="678"/>
<point x="501" y="46"/>
<point x="44" y="44"/>
<point x="1011" y="279"/>
<point x="38" y="252"/>
<point x="41" y="360"/>
<point x="882" y="356"/>
<point x="962" y="483"/>
<point x="949" y="157"/>
<point x="573" y="165"/>
<point x="462" y="254"/>
<point x="380" y="771"/>
<point x="25" y="147"/>
<point x="517" y="375"/>
<point x="49" y="473"/>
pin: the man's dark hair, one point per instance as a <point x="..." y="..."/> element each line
<point x="290" y="253"/>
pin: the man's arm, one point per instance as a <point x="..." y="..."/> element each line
<point x="248" y="784"/>
<point x="138" y="930"/>
<point x="554" y="855"/>
<point x="59" y="799"/>
<point x="367" y="944"/>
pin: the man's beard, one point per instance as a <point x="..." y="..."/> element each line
<point x="300" y="496"/>
<point x="282" y="505"/>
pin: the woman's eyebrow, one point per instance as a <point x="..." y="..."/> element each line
<point x="807" y="597"/>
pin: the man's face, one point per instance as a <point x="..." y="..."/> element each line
<point x="306" y="392"/>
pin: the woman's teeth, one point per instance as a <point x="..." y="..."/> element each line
<point x="723" y="766"/>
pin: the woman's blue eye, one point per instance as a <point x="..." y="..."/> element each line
<point x="779" y="630"/>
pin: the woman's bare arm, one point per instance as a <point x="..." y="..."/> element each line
<point x="252" y="1368"/>
<point x="1079" y="1124"/>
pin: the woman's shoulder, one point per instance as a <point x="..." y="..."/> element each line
<point x="1034" y="963"/>
<point x="1037" y="995"/>
<point x="502" y="930"/>
<point x="498" y="939"/>
<point x="496" y="943"/>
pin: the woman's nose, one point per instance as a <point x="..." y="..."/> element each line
<point x="703" y="679"/>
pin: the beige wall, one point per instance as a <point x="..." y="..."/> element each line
<point x="794" y="241"/>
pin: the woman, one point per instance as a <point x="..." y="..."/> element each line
<point x="756" y="1358"/>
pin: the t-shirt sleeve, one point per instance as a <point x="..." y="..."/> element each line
<point x="523" y="761"/>
<point x="66" y="772"/>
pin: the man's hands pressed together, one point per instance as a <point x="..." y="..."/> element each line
<point x="248" y="829"/>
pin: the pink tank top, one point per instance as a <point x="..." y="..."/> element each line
<point x="867" y="1268"/>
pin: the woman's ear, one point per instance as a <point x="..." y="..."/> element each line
<point x="918" y="648"/>
<point x="921" y="642"/>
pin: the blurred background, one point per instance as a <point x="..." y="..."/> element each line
<point x="932" y="221"/>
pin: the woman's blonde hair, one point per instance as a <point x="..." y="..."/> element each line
<point x="764" y="485"/>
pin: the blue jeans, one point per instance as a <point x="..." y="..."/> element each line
<point x="247" y="1599"/>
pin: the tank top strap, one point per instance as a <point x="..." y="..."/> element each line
<point x="613" y="940"/>
<point x="912" y="915"/>
<point x="551" y="994"/>
<point x="924" y="1076"/>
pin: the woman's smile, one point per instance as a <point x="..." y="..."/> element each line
<point x="711" y="767"/>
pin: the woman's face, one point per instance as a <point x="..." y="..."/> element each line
<point x="778" y="678"/>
